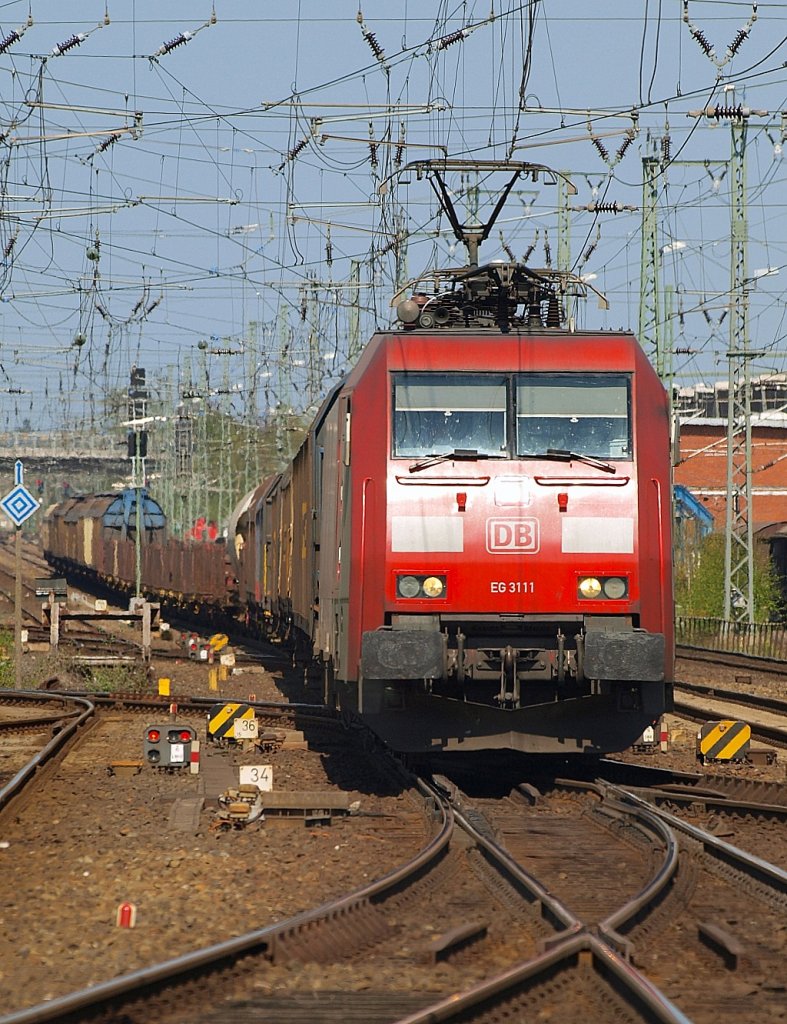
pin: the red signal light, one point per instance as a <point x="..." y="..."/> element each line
<point x="153" y="735"/>
<point x="180" y="736"/>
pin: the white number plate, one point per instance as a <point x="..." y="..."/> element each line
<point x="259" y="775"/>
<point x="245" y="729"/>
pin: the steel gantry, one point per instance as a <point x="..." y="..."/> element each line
<point x="739" y="546"/>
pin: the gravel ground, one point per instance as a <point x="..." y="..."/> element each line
<point x="92" y="840"/>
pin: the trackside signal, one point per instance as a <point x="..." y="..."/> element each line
<point x="169" y="746"/>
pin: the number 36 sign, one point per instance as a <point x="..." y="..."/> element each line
<point x="245" y="729"/>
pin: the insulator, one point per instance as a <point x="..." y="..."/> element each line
<point x="184" y="37"/>
<point x="329" y="253"/>
<point x="149" y="309"/>
<point x="389" y="246"/>
<point x="600" y="147"/>
<point x="506" y="248"/>
<point x="699" y="35"/>
<point x="69" y="44"/>
<point x="10" y="39"/>
<point x="733" y="113"/>
<point x="372" y="146"/>
<point x="736" y="43"/>
<point x="110" y="141"/>
<point x="607" y="207"/>
<point x="666" y="148"/>
<point x="9" y="247"/>
<point x="399" y="148"/>
<point x="623" y="147"/>
<point x="591" y="248"/>
<point x="530" y="249"/>
<point x="450" y="39"/>
<point x="547" y="251"/>
<point x="554" y="312"/>
<point x="375" y="47"/>
<point x="292" y="153"/>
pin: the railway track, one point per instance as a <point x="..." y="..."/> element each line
<point x="766" y="715"/>
<point x="501" y="929"/>
<point x="507" y="902"/>
<point x="757" y="663"/>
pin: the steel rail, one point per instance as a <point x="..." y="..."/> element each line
<point x="611" y="951"/>
<point x="47" y="753"/>
<point x="271" y="940"/>
<point x="606" y="961"/>
<point x="770" y="875"/>
<point x="753" y="700"/>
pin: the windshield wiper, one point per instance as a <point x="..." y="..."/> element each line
<point x="565" y="456"/>
<point x="468" y="454"/>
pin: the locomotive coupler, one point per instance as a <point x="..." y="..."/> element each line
<point x="509" y="682"/>
<point x="460" y="656"/>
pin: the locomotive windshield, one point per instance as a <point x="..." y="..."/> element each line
<point x="583" y="413"/>
<point x="437" y="414"/>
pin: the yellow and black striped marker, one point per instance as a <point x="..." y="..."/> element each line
<point x="219" y="641"/>
<point x="222" y="719"/>
<point x="724" y="741"/>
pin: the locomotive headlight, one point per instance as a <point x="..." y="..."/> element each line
<point x="407" y="586"/>
<point x="420" y="586"/>
<point x="615" y="588"/>
<point x="589" y="587"/>
<point x="433" y="586"/>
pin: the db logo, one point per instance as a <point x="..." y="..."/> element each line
<point x="512" y="536"/>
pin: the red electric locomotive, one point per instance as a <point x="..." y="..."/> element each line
<point x="474" y="538"/>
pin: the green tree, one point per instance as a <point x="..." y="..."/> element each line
<point x="699" y="582"/>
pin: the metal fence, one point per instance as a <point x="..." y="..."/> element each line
<point x="764" y="639"/>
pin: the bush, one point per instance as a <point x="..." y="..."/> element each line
<point x="699" y="582"/>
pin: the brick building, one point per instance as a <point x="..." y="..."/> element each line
<point x="702" y="411"/>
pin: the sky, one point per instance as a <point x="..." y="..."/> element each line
<point x="218" y="191"/>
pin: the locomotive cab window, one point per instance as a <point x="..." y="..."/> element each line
<point x="436" y="414"/>
<point x="588" y="414"/>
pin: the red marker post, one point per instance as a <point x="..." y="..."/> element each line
<point x="126" y="915"/>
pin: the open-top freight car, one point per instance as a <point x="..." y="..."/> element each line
<point x="94" y="537"/>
